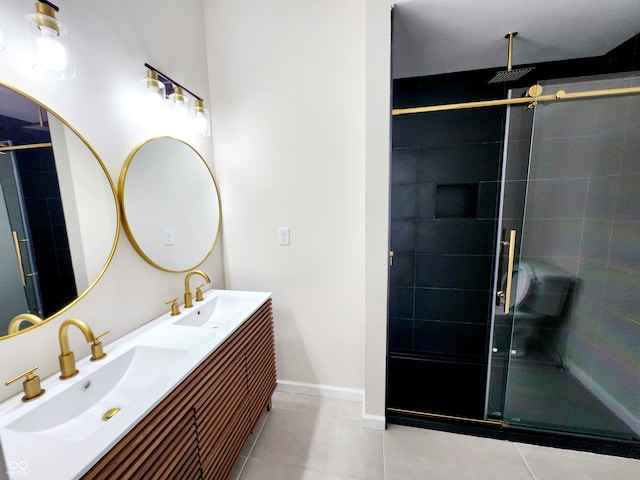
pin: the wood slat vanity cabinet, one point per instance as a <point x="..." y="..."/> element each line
<point x="200" y="428"/>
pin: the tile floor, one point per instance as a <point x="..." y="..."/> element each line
<point x="314" y="438"/>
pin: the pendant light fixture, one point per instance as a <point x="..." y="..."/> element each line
<point x="50" y="40"/>
<point x="177" y="102"/>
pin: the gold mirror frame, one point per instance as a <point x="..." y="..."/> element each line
<point x="116" y="208"/>
<point x="176" y="169"/>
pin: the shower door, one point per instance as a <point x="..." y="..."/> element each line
<point x="20" y="286"/>
<point x="570" y="198"/>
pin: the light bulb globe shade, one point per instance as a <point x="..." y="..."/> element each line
<point x="201" y="119"/>
<point x="50" y="53"/>
<point x="154" y="93"/>
<point x="50" y="44"/>
<point x="153" y="102"/>
<point x="179" y="106"/>
<point x="179" y="99"/>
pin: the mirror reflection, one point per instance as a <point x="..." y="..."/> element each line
<point x="58" y="213"/>
<point x="170" y="204"/>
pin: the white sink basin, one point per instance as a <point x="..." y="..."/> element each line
<point x="76" y="412"/>
<point x="224" y="308"/>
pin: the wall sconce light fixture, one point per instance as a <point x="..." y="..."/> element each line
<point x="161" y="87"/>
<point x="50" y="39"/>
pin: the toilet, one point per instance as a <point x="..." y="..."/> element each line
<point x="539" y="291"/>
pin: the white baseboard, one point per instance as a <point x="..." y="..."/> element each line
<point x="601" y="394"/>
<point x="374" y="422"/>
<point x="326" y="391"/>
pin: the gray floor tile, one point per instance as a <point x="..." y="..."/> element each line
<point x="414" y="453"/>
<point x="261" y="470"/>
<point x="313" y="438"/>
<point x="320" y="442"/>
<point x="248" y="447"/>
<point x="557" y="464"/>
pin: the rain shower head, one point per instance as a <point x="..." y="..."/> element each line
<point x="40" y="126"/>
<point x="510" y="75"/>
<point x="36" y="127"/>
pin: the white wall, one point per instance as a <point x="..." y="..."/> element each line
<point x="377" y="181"/>
<point x="301" y="95"/>
<point x="111" y="41"/>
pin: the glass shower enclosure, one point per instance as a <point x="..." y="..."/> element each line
<point x="565" y="349"/>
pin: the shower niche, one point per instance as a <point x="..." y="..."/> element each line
<point x="457" y="201"/>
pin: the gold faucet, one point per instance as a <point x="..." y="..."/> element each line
<point x="14" y="324"/>
<point x="188" y="303"/>
<point x="66" y="357"/>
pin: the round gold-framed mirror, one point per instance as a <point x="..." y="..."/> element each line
<point x="59" y="214"/>
<point x="170" y="204"/>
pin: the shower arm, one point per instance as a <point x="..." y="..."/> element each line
<point x="510" y="36"/>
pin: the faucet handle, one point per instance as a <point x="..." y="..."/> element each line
<point x="97" y="353"/>
<point x="31" y="384"/>
<point x="199" y="296"/>
<point x="175" y="310"/>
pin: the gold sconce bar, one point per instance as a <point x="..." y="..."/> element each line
<point x="534" y="96"/>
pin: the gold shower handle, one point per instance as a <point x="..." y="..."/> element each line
<point x="16" y="244"/>
<point x="512" y="253"/>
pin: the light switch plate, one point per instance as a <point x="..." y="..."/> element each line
<point x="283" y="236"/>
<point x="169" y="238"/>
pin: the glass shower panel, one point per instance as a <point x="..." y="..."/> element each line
<point x="574" y="361"/>
<point x="515" y="165"/>
<point x="19" y="278"/>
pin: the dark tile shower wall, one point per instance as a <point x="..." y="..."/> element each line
<point x="445" y="172"/>
<point x="48" y="228"/>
